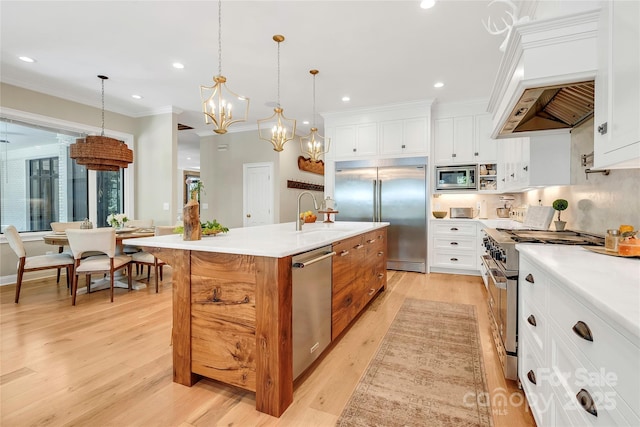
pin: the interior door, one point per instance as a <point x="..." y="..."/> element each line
<point x="257" y="194"/>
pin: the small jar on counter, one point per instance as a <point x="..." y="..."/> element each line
<point x="611" y="240"/>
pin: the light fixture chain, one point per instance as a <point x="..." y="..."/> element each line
<point x="278" y="74"/>
<point x="102" y="133"/>
<point x="314" y="100"/>
<point x="219" y="37"/>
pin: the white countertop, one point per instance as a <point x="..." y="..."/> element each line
<point x="609" y="284"/>
<point x="275" y="240"/>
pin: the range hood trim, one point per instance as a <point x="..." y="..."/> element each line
<point x="578" y="31"/>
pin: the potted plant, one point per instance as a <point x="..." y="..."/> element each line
<point x="560" y="205"/>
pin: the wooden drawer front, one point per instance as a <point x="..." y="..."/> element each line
<point x="537" y="335"/>
<point x="343" y="268"/>
<point x="455" y="260"/>
<point x="571" y="376"/>
<point x="345" y="306"/>
<point x="455" y="228"/>
<point x="534" y="379"/>
<point x="455" y="243"/>
<point x="611" y="353"/>
<point x="532" y="285"/>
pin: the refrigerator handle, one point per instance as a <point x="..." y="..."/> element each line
<point x="379" y="200"/>
<point x="375" y="200"/>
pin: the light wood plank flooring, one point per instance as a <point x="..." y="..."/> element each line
<point x="109" y="364"/>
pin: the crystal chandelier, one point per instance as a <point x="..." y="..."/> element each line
<point x="277" y="129"/>
<point x="217" y="99"/>
<point x="314" y="145"/>
<point x="101" y="153"/>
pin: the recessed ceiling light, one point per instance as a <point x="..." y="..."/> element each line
<point x="346" y="99"/>
<point x="438" y="85"/>
<point x="306" y="122"/>
<point x="188" y="158"/>
<point x="26" y="59"/>
<point x="178" y="65"/>
<point x="427" y="4"/>
<point x="136" y="96"/>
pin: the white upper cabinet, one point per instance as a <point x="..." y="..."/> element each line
<point x="386" y="131"/>
<point x="355" y="140"/>
<point x="464" y="139"/>
<point x="617" y="103"/>
<point x="407" y="136"/>
<point x="536" y="161"/>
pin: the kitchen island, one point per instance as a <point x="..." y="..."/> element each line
<point x="232" y="300"/>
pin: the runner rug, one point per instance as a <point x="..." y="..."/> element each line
<point x="428" y="371"/>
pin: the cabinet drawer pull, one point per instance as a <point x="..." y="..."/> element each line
<point x="582" y="330"/>
<point x="370" y="241"/>
<point x="404" y="146"/>
<point x="531" y="376"/>
<point x="344" y="252"/>
<point x="454" y="259"/>
<point x="454" y="228"/>
<point x="529" y="278"/>
<point x="454" y="243"/>
<point x="586" y="401"/>
<point x="380" y="253"/>
<point x="532" y="320"/>
<point x="358" y="246"/>
<point x="371" y="291"/>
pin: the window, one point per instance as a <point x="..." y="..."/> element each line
<point x="40" y="184"/>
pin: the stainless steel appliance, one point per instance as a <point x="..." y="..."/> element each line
<point x="311" y="276"/>
<point x="394" y="191"/>
<point x="501" y="263"/>
<point x="460" y="212"/>
<point x="456" y="177"/>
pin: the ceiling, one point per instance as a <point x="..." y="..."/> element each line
<point x="375" y="52"/>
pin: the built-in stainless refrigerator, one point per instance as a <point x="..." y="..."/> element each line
<point x="390" y="190"/>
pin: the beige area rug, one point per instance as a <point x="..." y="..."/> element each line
<point x="428" y="371"/>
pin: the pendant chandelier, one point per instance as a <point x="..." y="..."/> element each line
<point x="217" y="99"/>
<point x="314" y="145"/>
<point x="277" y="129"/>
<point x="101" y="153"/>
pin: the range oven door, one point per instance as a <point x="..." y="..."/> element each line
<point x="503" y="306"/>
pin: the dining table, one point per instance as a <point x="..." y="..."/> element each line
<point x="59" y="239"/>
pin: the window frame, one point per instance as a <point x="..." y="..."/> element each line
<point x="52" y="122"/>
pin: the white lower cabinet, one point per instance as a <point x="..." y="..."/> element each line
<point x="454" y="247"/>
<point x="575" y="369"/>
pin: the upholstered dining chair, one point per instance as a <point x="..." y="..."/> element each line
<point x="137" y="223"/>
<point x="98" y="240"/>
<point x="145" y="258"/>
<point x="58" y="227"/>
<point x="34" y="263"/>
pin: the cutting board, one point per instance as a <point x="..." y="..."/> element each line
<point x="538" y="217"/>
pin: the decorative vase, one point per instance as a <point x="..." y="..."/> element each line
<point x="191" y="219"/>
<point x="559" y="225"/>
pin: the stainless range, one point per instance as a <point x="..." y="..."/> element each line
<point x="501" y="265"/>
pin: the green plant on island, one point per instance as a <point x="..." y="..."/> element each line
<point x="560" y="205"/>
<point x="209" y="227"/>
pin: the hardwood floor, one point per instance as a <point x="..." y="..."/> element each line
<point x="109" y="364"/>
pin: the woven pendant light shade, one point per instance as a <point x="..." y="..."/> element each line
<point x="101" y="153"/>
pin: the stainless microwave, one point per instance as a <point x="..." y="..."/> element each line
<point x="461" y="177"/>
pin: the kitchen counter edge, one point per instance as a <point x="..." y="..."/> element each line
<point x="274" y="240"/>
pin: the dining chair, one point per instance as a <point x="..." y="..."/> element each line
<point x="58" y="227"/>
<point x="145" y="258"/>
<point x="96" y="240"/>
<point x="137" y="223"/>
<point x="37" y="262"/>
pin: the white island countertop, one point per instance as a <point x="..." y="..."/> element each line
<point x="609" y="284"/>
<point x="275" y="240"/>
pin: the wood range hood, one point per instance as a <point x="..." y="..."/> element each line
<point x="546" y="80"/>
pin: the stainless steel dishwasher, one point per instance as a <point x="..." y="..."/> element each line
<point x="311" y="273"/>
